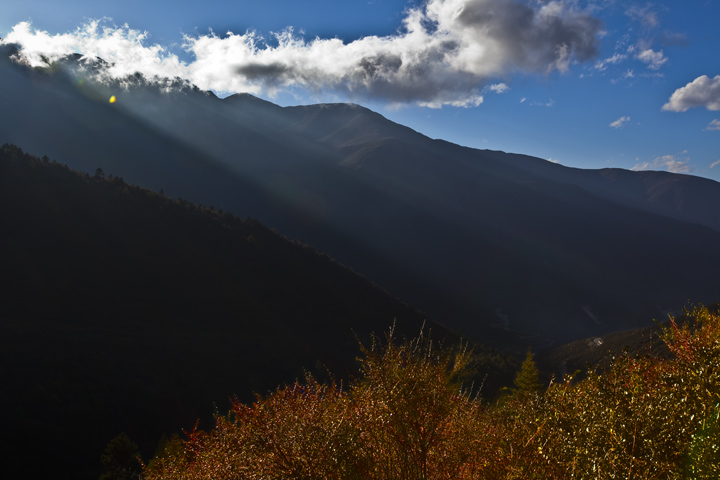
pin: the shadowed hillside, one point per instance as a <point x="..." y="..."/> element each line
<point x="124" y="310"/>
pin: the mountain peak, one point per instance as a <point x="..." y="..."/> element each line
<point x="246" y="99"/>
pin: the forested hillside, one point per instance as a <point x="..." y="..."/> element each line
<point x="125" y="310"/>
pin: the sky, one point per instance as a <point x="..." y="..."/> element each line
<point x="585" y="83"/>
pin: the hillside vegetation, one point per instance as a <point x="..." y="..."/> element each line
<point x="408" y="415"/>
<point x="125" y="310"/>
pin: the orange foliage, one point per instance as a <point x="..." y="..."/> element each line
<point x="408" y="416"/>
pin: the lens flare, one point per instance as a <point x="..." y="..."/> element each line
<point x="113" y="99"/>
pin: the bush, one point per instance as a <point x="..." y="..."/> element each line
<point x="408" y="415"/>
<point x="639" y="418"/>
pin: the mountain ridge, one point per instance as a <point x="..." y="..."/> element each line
<point x="457" y="232"/>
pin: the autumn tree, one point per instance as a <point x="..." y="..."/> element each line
<point x="417" y="416"/>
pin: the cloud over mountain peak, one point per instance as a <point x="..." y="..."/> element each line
<point x="445" y="53"/>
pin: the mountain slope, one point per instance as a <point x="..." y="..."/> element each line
<point x="124" y="310"/>
<point x="679" y="196"/>
<point x="498" y="246"/>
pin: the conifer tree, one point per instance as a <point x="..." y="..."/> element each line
<point x="121" y="459"/>
<point x="528" y="378"/>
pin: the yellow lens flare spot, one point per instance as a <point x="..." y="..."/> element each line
<point x="113" y="99"/>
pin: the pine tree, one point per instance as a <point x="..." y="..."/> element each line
<point x="121" y="459"/>
<point x="528" y="378"/>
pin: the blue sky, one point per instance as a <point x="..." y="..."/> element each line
<point x="589" y="84"/>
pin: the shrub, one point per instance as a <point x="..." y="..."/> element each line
<point x="639" y="418"/>
<point x="408" y="415"/>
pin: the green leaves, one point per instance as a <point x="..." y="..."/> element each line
<point x="704" y="458"/>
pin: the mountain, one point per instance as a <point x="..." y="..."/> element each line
<point x="125" y="310"/>
<point x="502" y="247"/>
<point x="679" y="196"/>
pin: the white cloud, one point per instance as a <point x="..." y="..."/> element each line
<point x="628" y="74"/>
<point x="522" y="100"/>
<point x="601" y="65"/>
<point x="671" y="163"/>
<point x="620" y="122"/>
<point x="499" y="88"/>
<point x="701" y="92"/>
<point x="715" y="164"/>
<point x="645" y="15"/>
<point x="713" y="125"/>
<point x="653" y="75"/>
<point x="445" y="52"/>
<point x="122" y="48"/>
<point x="623" y="41"/>
<point x="653" y="59"/>
<point x="549" y="103"/>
